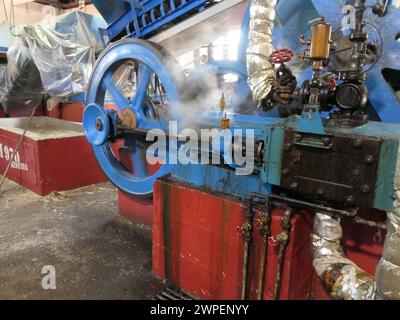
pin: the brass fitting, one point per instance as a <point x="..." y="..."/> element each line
<point x="225" y="123"/>
<point x="222" y="106"/>
<point x="320" y="43"/>
<point x="320" y="40"/>
<point x="222" y="103"/>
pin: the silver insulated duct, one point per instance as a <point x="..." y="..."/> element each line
<point x="261" y="74"/>
<point x="341" y="277"/>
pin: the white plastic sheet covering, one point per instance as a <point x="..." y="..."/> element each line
<point x="63" y="52"/>
<point x="20" y="83"/>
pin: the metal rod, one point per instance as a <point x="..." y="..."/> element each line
<point x="304" y="204"/>
<point x="247" y="229"/>
<point x="283" y="239"/>
<point x="265" y="231"/>
<point x="351" y="214"/>
<point x="369" y="223"/>
<point x="245" y="269"/>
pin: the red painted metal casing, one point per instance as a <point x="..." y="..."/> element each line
<point x="54" y="156"/>
<point x="196" y="246"/>
<point x="136" y="209"/>
<point x="23" y="111"/>
<point x="68" y="111"/>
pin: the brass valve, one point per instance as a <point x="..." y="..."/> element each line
<point x="320" y="43"/>
<point x="321" y="40"/>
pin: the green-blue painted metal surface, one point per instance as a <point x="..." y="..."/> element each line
<point x="220" y="179"/>
<point x="310" y="120"/>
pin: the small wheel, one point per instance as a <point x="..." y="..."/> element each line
<point x="281" y="56"/>
<point x="154" y="81"/>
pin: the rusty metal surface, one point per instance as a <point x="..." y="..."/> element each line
<point x="353" y="160"/>
<point x="196" y="243"/>
<point x="197" y="246"/>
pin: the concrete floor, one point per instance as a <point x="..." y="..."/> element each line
<point x="96" y="253"/>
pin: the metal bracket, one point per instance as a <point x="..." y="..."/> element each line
<point x="310" y="120"/>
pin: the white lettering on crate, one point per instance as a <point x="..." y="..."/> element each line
<point x="7" y="152"/>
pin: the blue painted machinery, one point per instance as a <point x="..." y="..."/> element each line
<point x="161" y="83"/>
<point x="324" y="153"/>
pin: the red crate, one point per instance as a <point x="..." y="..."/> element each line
<point x="22" y="111"/>
<point x="54" y="156"/>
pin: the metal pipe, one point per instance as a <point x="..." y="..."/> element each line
<point x="283" y="239"/>
<point x="304" y="204"/>
<point x="246" y="229"/>
<point x="342" y="278"/>
<point x="351" y="214"/>
<point x="265" y="231"/>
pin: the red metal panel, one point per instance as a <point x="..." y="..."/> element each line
<point x="68" y="111"/>
<point x="136" y="209"/>
<point x="22" y="111"/>
<point x="196" y="246"/>
<point x="50" y="165"/>
<point x="360" y="242"/>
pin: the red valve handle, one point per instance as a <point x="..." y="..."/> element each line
<point x="281" y="56"/>
<point x="332" y="85"/>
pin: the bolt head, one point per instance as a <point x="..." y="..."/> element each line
<point x="350" y="199"/>
<point x="365" y="188"/>
<point x="99" y="125"/>
<point x="326" y="140"/>
<point x="294" y="186"/>
<point x="369" y="159"/>
<point x="298" y="136"/>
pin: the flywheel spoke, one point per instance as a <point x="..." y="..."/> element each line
<point x="143" y="80"/>
<point x="115" y="92"/>
<point x="140" y="165"/>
